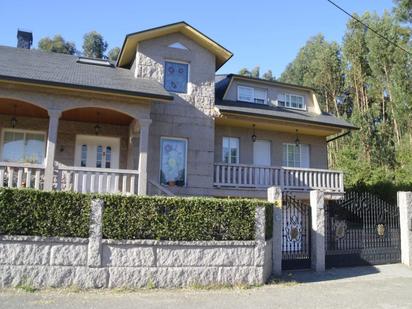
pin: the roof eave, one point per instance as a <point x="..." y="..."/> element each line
<point x="350" y="127"/>
<point x="136" y="94"/>
<point x="220" y="51"/>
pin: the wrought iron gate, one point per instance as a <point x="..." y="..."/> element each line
<point x="295" y="233"/>
<point x="362" y="229"/>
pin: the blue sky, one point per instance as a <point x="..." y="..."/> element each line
<point x="266" y="33"/>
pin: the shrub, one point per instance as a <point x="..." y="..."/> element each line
<point x="174" y="218"/>
<point x="33" y="212"/>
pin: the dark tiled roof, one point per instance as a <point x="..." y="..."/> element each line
<point x="34" y="66"/>
<point x="326" y="119"/>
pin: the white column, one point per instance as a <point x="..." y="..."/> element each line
<point x="54" y="116"/>
<point x="275" y="197"/>
<point x="143" y="150"/>
<point x="405" y="220"/>
<point x="317" y="205"/>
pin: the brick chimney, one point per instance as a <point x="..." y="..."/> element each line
<point x="24" y="39"/>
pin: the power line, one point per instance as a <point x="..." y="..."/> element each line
<point x="371" y="29"/>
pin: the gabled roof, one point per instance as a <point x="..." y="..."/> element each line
<point x="54" y="69"/>
<point x="129" y="47"/>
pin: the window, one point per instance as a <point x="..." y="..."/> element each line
<point x="291" y="101"/>
<point x="253" y="95"/>
<point x="176" y="76"/>
<point x="99" y="156"/>
<point x="173" y="161"/>
<point x="23" y="146"/>
<point x="296" y="156"/>
<point x="230" y="150"/>
<point x="108" y="156"/>
<point x="83" y="156"/>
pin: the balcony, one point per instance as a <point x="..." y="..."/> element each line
<point x="288" y="178"/>
<point x="69" y="178"/>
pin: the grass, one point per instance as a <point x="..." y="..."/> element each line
<point x="26" y="288"/>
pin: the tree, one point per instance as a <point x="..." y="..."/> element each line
<point x="268" y="75"/>
<point x="369" y="81"/>
<point x="57" y="45"/>
<point x="255" y="72"/>
<point x="403" y="10"/>
<point x="113" y="54"/>
<point x="245" y="72"/>
<point x="94" y="45"/>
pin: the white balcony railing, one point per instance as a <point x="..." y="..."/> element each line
<point x="96" y="180"/>
<point x="21" y="175"/>
<point x="288" y="178"/>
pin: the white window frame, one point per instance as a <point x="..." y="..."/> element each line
<point x="24" y="132"/>
<point x="188" y="74"/>
<point x="301" y="160"/>
<point x="238" y="149"/>
<point x="186" y="151"/>
<point x="253" y="89"/>
<point x="287" y="99"/>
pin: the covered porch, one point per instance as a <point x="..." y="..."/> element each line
<point x="81" y="147"/>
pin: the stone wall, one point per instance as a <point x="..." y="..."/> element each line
<point x="105" y="263"/>
<point x="63" y="262"/>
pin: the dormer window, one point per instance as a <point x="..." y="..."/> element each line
<point x="176" y="76"/>
<point x="252" y="95"/>
<point x="291" y="101"/>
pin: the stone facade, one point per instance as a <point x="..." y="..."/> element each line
<point x="189" y="116"/>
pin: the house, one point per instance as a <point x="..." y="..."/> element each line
<point x="158" y="121"/>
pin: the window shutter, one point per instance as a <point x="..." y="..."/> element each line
<point x="245" y="94"/>
<point x="304" y="156"/>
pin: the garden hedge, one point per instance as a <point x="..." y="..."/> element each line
<point x="175" y="218"/>
<point x="66" y="214"/>
<point x="40" y="213"/>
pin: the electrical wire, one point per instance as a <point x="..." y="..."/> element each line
<point x="371" y="29"/>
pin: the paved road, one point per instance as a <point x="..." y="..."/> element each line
<point x="387" y="286"/>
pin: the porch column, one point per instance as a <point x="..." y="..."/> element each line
<point x="143" y="149"/>
<point x="317" y="205"/>
<point x="54" y="116"/>
<point x="133" y="133"/>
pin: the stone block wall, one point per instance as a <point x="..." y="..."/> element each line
<point x="105" y="263"/>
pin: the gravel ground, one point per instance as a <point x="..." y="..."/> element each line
<point x="388" y="286"/>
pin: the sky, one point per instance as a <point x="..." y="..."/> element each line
<point x="266" y="33"/>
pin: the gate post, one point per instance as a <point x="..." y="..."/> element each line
<point x="275" y="197"/>
<point x="405" y="220"/>
<point x="317" y="205"/>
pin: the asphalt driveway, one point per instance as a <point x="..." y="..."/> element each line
<point x="388" y="286"/>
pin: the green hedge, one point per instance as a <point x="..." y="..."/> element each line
<point x="33" y="212"/>
<point x="174" y="218"/>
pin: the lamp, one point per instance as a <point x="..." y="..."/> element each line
<point x="297" y="141"/>
<point x="254" y="134"/>
<point x="13" y="120"/>
<point x="97" y="127"/>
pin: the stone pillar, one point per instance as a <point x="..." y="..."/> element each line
<point x="275" y="197"/>
<point x="54" y="116"/>
<point x="94" y="249"/>
<point x="405" y="220"/>
<point x="143" y="150"/>
<point x="133" y="131"/>
<point x="260" y="223"/>
<point x="317" y="205"/>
